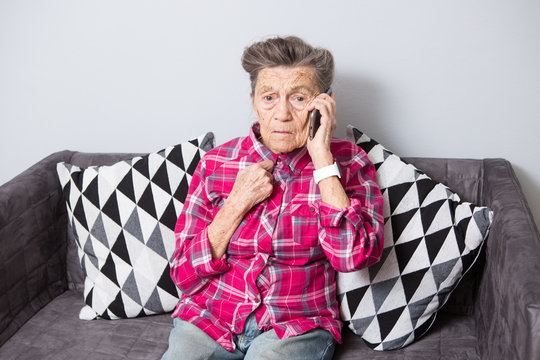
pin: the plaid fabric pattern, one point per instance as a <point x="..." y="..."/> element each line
<point x="282" y="258"/>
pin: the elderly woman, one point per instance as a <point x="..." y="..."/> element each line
<point x="269" y="218"/>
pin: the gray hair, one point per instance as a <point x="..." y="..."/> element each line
<point x="289" y="51"/>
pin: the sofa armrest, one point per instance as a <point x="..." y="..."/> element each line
<point x="33" y="224"/>
<point x="508" y="307"/>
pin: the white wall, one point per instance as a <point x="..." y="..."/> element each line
<point x="425" y="78"/>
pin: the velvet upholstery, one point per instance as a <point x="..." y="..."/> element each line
<point x="40" y="291"/>
<point x="32" y="244"/>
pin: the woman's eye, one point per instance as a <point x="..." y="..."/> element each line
<point x="299" y="98"/>
<point x="268" y="98"/>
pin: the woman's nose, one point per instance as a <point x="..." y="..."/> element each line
<point x="283" y="112"/>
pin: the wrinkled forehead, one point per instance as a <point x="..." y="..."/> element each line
<point x="287" y="79"/>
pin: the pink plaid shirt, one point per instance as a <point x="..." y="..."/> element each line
<point x="281" y="260"/>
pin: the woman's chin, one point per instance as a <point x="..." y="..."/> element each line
<point x="283" y="148"/>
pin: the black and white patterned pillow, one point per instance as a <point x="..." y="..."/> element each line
<point x="123" y="218"/>
<point x="431" y="239"/>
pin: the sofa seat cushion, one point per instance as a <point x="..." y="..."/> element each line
<point x="56" y="332"/>
<point x="451" y="337"/>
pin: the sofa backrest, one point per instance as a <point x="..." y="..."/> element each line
<point x="464" y="176"/>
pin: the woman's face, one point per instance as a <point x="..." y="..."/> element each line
<point x="281" y="98"/>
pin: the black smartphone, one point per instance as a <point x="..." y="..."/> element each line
<point x="315" y="119"/>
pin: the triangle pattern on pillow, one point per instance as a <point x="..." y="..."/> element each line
<point x="123" y="218"/>
<point x="431" y="240"/>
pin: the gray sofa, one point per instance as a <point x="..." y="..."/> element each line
<point x="493" y="314"/>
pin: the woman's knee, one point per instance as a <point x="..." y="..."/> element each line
<point x="314" y="344"/>
<point x="186" y="341"/>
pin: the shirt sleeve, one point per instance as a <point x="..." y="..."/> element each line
<point x="353" y="238"/>
<point x="192" y="264"/>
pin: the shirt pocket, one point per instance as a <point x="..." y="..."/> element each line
<point x="305" y="224"/>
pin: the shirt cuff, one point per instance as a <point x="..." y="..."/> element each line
<point x="330" y="216"/>
<point x="200" y="254"/>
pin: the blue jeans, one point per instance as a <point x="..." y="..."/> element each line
<point x="188" y="342"/>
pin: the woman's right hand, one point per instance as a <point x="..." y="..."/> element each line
<point x="252" y="185"/>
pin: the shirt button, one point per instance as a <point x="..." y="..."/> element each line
<point x="312" y="209"/>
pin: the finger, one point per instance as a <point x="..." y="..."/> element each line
<point x="326" y="99"/>
<point x="267" y="165"/>
<point x="269" y="190"/>
<point x="312" y="105"/>
<point x="327" y="112"/>
<point x="323" y="132"/>
<point x="322" y="100"/>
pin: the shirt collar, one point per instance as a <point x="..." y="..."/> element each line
<point x="296" y="159"/>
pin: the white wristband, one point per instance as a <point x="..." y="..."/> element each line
<point x="327" y="171"/>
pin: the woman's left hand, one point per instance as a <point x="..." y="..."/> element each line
<point x="319" y="146"/>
